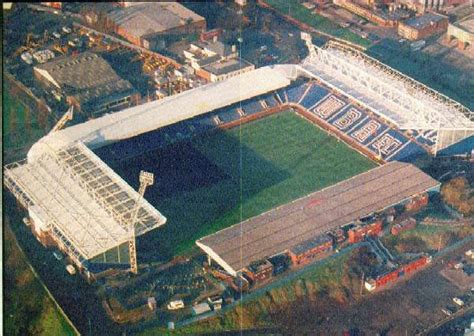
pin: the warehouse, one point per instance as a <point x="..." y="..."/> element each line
<point x="89" y="83"/>
<point x="291" y="224"/>
<point x="152" y="24"/>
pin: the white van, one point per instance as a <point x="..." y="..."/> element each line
<point x="174" y="305"/>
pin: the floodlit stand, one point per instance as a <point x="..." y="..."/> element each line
<point x="146" y="179"/>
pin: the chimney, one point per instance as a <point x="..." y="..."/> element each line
<point x="214" y="38"/>
<point x="234" y="48"/>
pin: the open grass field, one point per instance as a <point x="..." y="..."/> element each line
<point x="221" y="178"/>
<point x="20" y="126"/>
<point x="28" y="310"/>
<point x="297" y="11"/>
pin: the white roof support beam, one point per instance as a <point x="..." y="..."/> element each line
<point x="409" y="104"/>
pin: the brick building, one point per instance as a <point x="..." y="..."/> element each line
<point x="307" y="250"/>
<point x="421" y="27"/>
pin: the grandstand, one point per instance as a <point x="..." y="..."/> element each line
<point x="402" y="101"/>
<point x="289" y="225"/>
<point x="85" y="206"/>
<point x="358" y="126"/>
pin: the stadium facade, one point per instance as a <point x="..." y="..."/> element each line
<point x="76" y="201"/>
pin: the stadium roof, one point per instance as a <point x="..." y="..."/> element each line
<point x="151" y="116"/>
<point x="87" y="77"/>
<point x="150" y="18"/>
<point x="88" y="206"/>
<point x="387" y="92"/>
<point x="294" y="223"/>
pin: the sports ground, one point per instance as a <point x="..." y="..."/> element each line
<point x="220" y="178"/>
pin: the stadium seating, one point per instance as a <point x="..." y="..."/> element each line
<point x="408" y="153"/>
<point x="296" y="92"/>
<point x="427" y="138"/>
<point x="228" y="114"/>
<point x="347" y="119"/>
<point x="372" y="133"/>
<point x="314" y="95"/>
<point x="281" y="94"/>
<point x="270" y="100"/>
<point x="252" y="106"/>
<point x="327" y="107"/>
<point x="368" y="130"/>
<point x="388" y="143"/>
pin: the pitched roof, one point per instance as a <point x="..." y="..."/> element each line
<point x="294" y="223"/>
<point x="86" y="76"/>
<point x="153" y="17"/>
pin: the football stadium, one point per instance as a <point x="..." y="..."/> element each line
<point x="260" y="163"/>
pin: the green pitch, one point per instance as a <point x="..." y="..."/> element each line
<point x="220" y="179"/>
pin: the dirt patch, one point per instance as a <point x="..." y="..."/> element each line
<point x="458" y="278"/>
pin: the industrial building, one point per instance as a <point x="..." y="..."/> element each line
<point x="88" y="82"/>
<point x="214" y="60"/>
<point x="290" y="226"/>
<point x="421" y="27"/>
<point x="462" y="31"/>
<point x="152" y="24"/>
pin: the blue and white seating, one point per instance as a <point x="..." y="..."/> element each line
<point x="327" y="107"/>
<point x="228" y="114"/>
<point x="251" y="106"/>
<point x="314" y="95"/>
<point x="296" y="92"/>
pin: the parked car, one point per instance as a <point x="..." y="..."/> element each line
<point x="174" y="305"/>
<point x="458" y="301"/>
<point x="70" y="269"/>
<point x="58" y="255"/>
<point x="458" y="266"/>
<point x="447" y="311"/>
